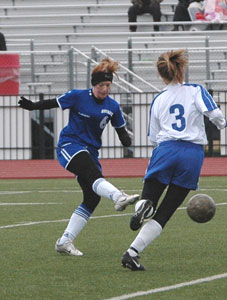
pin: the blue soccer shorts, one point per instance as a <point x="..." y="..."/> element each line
<point x="176" y="162"/>
<point x="66" y="152"/>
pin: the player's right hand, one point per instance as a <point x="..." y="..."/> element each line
<point x="26" y="103"/>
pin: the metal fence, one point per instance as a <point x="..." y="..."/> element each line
<point x="34" y="135"/>
<point x="58" y="71"/>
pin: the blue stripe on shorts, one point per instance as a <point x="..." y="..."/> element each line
<point x="66" y="152"/>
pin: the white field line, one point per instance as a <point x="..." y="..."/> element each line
<point x="57" y="221"/>
<point x="66" y="220"/>
<point x="28" y="203"/>
<point x="47" y="191"/>
<point x="79" y="191"/>
<point x="170" y="287"/>
<point x="217" y="204"/>
<point x="14" y="192"/>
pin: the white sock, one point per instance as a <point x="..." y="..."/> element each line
<point x="150" y="231"/>
<point x="76" y="223"/>
<point x="132" y="252"/>
<point x="105" y="189"/>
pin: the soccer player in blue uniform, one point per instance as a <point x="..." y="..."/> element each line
<point x="177" y="132"/>
<point x="90" y="110"/>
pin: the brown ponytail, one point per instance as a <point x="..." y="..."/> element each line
<point x="107" y="65"/>
<point x="171" y="65"/>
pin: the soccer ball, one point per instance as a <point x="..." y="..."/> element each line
<point x="139" y="204"/>
<point x="201" y="208"/>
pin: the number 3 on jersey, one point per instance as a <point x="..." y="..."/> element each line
<point x="178" y="110"/>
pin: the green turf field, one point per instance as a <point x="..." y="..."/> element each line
<point x="34" y="213"/>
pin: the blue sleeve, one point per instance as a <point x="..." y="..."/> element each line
<point x="67" y="100"/>
<point x="207" y="99"/>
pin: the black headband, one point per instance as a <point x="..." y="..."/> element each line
<point x="98" y="77"/>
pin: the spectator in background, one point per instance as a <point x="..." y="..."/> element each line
<point x="181" y="13"/>
<point x="141" y="7"/>
<point x="196" y="10"/>
<point x="186" y="10"/>
<point x="2" y="42"/>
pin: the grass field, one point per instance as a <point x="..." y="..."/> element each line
<point x="34" y="213"/>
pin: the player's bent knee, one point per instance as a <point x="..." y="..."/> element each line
<point x="85" y="167"/>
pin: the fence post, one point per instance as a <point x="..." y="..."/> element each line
<point x="88" y="73"/>
<point x="94" y="54"/>
<point x="186" y="75"/>
<point x="71" y="68"/>
<point x="207" y="61"/>
<point x="41" y="130"/>
<point x="130" y="79"/>
<point x="32" y="61"/>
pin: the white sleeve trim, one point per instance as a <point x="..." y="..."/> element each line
<point x="58" y="103"/>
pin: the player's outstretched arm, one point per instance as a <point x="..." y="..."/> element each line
<point x="44" y="104"/>
<point x="124" y="136"/>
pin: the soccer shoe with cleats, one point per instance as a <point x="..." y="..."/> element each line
<point x="131" y="263"/>
<point x="124" y="200"/>
<point x="67" y="248"/>
<point x="138" y="217"/>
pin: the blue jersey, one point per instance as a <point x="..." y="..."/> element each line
<point x="88" y="118"/>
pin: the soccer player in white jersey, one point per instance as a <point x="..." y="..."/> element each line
<point x="79" y="142"/>
<point x="177" y="132"/>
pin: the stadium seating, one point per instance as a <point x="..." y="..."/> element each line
<point x="51" y="28"/>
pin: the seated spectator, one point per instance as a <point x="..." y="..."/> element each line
<point x="208" y="10"/>
<point x="181" y="13"/>
<point x="2" y="42"/>
<point x="196" y="10"/>
<point x="216" y="10"/>
<point x="141" y="7"/>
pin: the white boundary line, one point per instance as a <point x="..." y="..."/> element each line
<point x="80" y="191"/>
<point x="170" y="287"/>
<point x="57" y="221"/>
<point x="29" y="203"/>
<point x="66" y="220"/>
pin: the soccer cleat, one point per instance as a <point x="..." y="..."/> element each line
<point x="139" y="216"/>
<point x="131" y="263"/>
<point x="67" y="248"/>
<point x="124" y="200"/>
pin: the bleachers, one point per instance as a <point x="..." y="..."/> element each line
<point x="49" y="25"/>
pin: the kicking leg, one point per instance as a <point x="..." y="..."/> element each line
<point x="152" y="191"/>
<point x="84" y="166"/>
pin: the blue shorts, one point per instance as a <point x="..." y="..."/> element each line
<point x="176" y="162"/>
<point x="66" y="152"/>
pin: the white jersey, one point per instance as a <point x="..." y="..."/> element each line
<point x="177" y="114"/>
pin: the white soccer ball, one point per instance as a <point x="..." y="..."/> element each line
<point x="139" y="204"/>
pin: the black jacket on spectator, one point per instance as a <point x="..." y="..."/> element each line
<point x="140" y="7"/>
<point x="2" y="42"/>
<point x="181" y="11"/>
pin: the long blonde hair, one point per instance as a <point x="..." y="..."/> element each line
<point x="107" y="65"/>
<point x="171" y="65"/>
